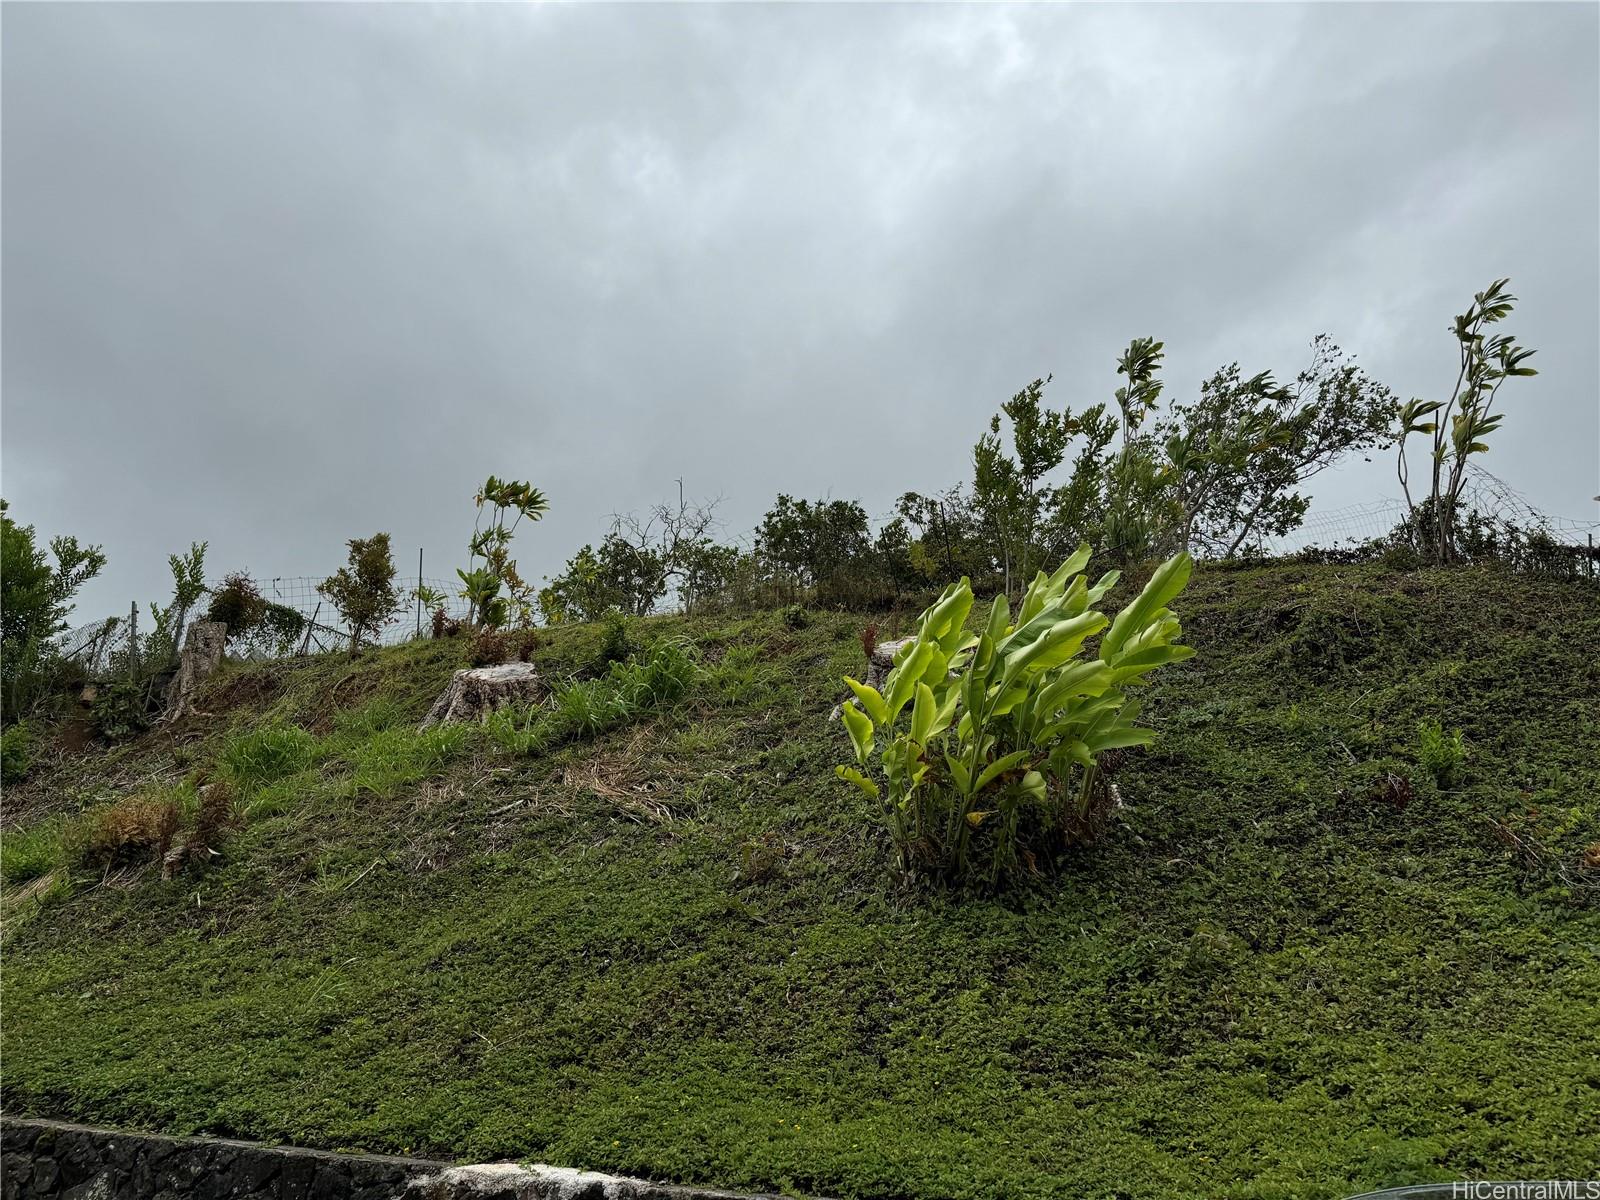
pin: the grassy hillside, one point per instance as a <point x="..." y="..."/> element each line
<point x="677" y="950"/>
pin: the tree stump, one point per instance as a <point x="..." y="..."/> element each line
<point x="475" y="693"/>
<point x="883" y="661"/>
<point x="201" y="656"/>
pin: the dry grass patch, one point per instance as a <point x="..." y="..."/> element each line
<point x="132" y="830"/>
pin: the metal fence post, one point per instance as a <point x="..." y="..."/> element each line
<point x="133" y="641"/>
<point x="305" y="644"/>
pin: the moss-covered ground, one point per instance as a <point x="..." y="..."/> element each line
<point x="678" y="950"/>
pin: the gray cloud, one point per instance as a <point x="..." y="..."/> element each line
<point x="278" y="275"/>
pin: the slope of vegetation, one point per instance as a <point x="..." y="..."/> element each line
<point x="1320" y="950"/>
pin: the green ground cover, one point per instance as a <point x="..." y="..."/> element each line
<point x="676" y="949"/>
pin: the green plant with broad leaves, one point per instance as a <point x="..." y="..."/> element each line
<point x="1441" y="753"/>
<point x="989" y="744"/>
<point x="509" y="502"/>
<point x="1457" y="426"/>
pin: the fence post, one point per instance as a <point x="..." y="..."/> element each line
<point x="305" y="643"/>
<point x="419" y="591"/>
<point x="133" y="641"/>
<point x="97" y="648"/>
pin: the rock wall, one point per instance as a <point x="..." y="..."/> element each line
<point x="51" y="1159"/>
<point x="75" y="1162"/>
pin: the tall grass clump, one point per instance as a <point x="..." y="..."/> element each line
<point x="392" y="758"/>
<point x="585" y="708"/>
<point x="282" y="795"/>
<point x="259" y="757"/>
<point x="660" y="677"/>
<point x="987" y="746"/>
<point x="27" y="854"/>
<point x="374" y="717"/>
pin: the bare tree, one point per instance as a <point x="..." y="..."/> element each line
<point x="663" y="544"/>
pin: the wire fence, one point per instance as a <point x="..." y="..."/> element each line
<point x="1341" y="526"/>
<point x="114" y="642"/>
<point x="1485" y="493"/>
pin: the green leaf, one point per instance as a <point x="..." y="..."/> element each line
<point x="851" y="775"/>
<point x="999" y="767"/>
<point x="1055" y="646"/>
<point x="1118" y="738"/>
<point x="999" y="618"/>
<point x="1008" y="700"/>
<point x="922" y="714"/>
<point x="859" y="726"/>
<point x="946" y="713"/>
<point x="944" y="620"/>
<point x="871" y="699"/>
<point x="1080" y="679"/>
<point x="1168" y="580"/>
<point x="958" y="772"/>
<point x="903" y="679"/>
<point x="1101" y="586"/>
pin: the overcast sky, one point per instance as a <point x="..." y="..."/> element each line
<point x="279" y="275"/>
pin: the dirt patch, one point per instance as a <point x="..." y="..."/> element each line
<point x="252" y="688"/>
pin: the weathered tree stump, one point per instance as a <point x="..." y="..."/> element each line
<point x="878" y="668"/>
<point x="883" y="661"/>
<point x="475" y="693"/>
<point x="201" y="656"/>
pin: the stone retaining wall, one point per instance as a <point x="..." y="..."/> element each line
<point x="47" y="1159"/>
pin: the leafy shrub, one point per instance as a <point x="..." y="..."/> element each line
<point x="996" y="737"/>
<point x="491" y="646"/>
<point x="619" y="575"/>
<point x="794" y="616"/>
<point x="251" y="617"/>
<point x="121" y="709"/>
<point x="363" y="590"/>
<point x="1457" y="426"/>
<point x="1440" y="754"/>
<point x="134" y="829"/>
<point x="392" y="758"/>
<point x="35" y="598"/>
<point x="236" y="603"/>
<point x="14" y="754"/>
<point x="30" y="853"/>
<point x="168" y="623"/>
<point x="615" y="644"/>
<point x="444" y="625"/>
<point x="512" y="500"/>
<point x="258" y="757"/>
